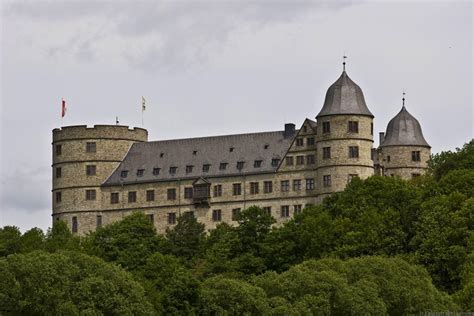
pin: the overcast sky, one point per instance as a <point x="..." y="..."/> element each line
<point x="217" y="67"/>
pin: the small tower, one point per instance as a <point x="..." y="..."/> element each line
<point x="404" y="150"/>
<point x="83" y="158"/>
<point x="344" y="136"/>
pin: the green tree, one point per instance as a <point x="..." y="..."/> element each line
<point x="10" y="237"/>
<point x="186" y="238"/>
<point x="446" y="161"/>
<point x="59" y="237"/>
<point x="67" y="283"/>
<point x="128" y="242"/>
<point x="31" y="240"/>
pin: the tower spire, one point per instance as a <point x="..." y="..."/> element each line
<point x="344" y="61"/>
<point x="403" y="99"/>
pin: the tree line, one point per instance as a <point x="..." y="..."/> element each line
<point x="383" y="246"/>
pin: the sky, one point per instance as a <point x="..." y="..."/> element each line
<point x="217" y="67"/>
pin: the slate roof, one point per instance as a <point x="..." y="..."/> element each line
<point x="344" y="97"/>
<point x="404" y="129"/>
<point x="199" y="151"/>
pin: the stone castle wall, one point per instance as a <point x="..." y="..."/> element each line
<point x="397" y="161"/>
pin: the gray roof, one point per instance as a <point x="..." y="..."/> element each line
<point x="404" y="130"/>
<point x="197" y="152"/>
<point x="344" y="97"/>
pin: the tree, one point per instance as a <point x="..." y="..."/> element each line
<point x="31" y="240"/>
<point x="128" y="242"/>
<point x="9" y="240"/>
<point x="59" y="237"/>
<point x="446" y="161"/>
<point x="67" y="283"/>
<point x="186" y="238"/>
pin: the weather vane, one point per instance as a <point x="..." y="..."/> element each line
<point x="344" y="61"/>
<point x="403" y="99"/>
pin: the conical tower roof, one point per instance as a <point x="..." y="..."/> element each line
<point x="404" y="130"/>
<point x="344" y="97"/>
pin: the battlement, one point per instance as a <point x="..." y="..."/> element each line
<point x="119" y="132"/>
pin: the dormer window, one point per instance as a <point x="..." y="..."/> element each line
<point x="257" y="163"/>
<point x="223" y="166"/>
<point x="266" y="146"/>
<point x="189" y="169"/>
<point x="195" y="152"/>
<point x="206" y="167"/>
<point x="231" y="149"/>
<point x="275" y="162"/>
<point x="140" y="172"/>
<point x="240" y="165"/>
<point x="173" y="170"/>
<point x="124" y="173"/>
<point x="161" y="155"/>
<point x="156" y="171"/>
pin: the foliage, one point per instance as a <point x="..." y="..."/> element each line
<point x="185" y="240"/>
<point x="442" y="163"/>
<point x="59" y="237"/>
<point x="9" y="240"/>
<point x="67" y="283"/>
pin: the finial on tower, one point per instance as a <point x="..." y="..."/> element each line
<point x="344" y="61"/>
<point x="403" y="99"/>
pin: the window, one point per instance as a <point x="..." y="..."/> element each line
<point x="240" y="165"/>
<point x="90" y="147"/>
<point x="140" y="172"/>
<point x="268" y="210"/>
<point x="310" y="141"/>
<point x="217" y="190"/>
<point x="267" y="187"/>
<point x="223" y="166"/>
<point x="415" y="175"/>
<point x="266" y="146"/>
<point x="299" y="142"/>
<point x="285" y="211"/>
<point x="132" y="196"/>
<point x="305" y="129"/>
<point x="353" y="127"/>
<point x="189" y="169"/>
<point x="309" y="184"/>
<point x="275" y="162"/>
<point x="124" y="173"/>
<point x="171" y="218"/>
<point x="371" y="128"/>
<point x="415" y="156"/>
<point x="206" y="167"/>
<point x="310" y="159"/>
<point x="90" y="195"/>
<point x="235" y="213"/>
<point x="114" y="198"/>
<point x="195" y="152"/>
<point x="285" y="185"/>
<point x="171" y="194"/>
<point x="98" y="221"/>
<point x="58" y="197"/>
<point x="326" y="152"/>
<point x="253" y="187"/>
<point x="216" y="215"/>
<point x="150" y="195"/>
<point x="237" y="188"/>
<point x="257" y="163"/>
<point x="388" y="158"/>
<point x="173" y="170"/>
<point x="289" y="161"/>
<point x="151" y="218"/>
<point x="74" y="224"/>
<point x="353" y="151"/>
<point x="297" y="185"/>
<point x="188" y="193"/>
<point x="59" y="150"/>
<point x="351" y="176"/>
<point x="326" y="181"/>
<point x="90" y="170"/>
<point x="326" y="127"/>
<point x="161" y="155"/>
<point x="156" y="171"/>
<point x="58" y="172"/>
<point x="231" y="149"/>
<point x="202" y="191"/>
<point x="299" y="160"/>
<point x="297" y="209"/>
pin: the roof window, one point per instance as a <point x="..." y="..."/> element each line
<point x="173" y="170"/>
<point x="156" y="171"/>
<point x="240" y="165"/>
<point x="223" y="166"/>
<point x="124" y="173"/>
<point x="231" y="149"/>
<point x="140" y="172"/>
<point x="266" y="146"/>
<point x="195" y="152"/>
<point x="161" y="155"/>
<point x="257" y="163"/>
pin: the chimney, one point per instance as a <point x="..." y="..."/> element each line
<point x="381" y="138"/>
<point x="289" y="130"/>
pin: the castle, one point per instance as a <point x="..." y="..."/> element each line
<point x="104" y="173"/>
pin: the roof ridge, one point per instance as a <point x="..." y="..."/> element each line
<point x="215" y="136"/>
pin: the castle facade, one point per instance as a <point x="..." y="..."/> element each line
<point x="105" y="172"/>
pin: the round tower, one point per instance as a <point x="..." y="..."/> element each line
<point x="404" y="150"/>
<point x="344" y="136"/>
<point x="83" y="158"/>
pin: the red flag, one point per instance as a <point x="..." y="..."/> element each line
<point x="63" y="108"/>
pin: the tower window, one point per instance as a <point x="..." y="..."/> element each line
<point x="353" y="151"/>
<point x="132" y="197"/>
<point x="150" y="195"/>
<point x="289" y="161"/>
<point x="299" y="160"/>
<point x="90" y="195"/>
<point x="171" y="194"/>
<point x="114" y="198"/>
<point x="353" y="127"/>
<point x="257" y="163"/>
<point x="98" y="221"/>
<point x="326" y="127"/>
<point x="59" y="150"/>
<point x="299" y="142"/>
<point x="327" y="181"/>
<point x="309" y="184"/>
<point x="267" y="187"/>
<point x="58" y="172"/>
<point x="415" y="156"/>
<point x="90" y="170"/>
<point x="388" y="158"/>
<point x="58" y="197"/>
<point x="237" y="188"/>
<point x="74" y="224"/>
<point x="216" y="215"/>
<point x="351" y="176"/>
<point x="326" y="152"/>
<point x="371" y="128"/>
<point x="91" y="147"/>
<point x="254" y="188"/>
